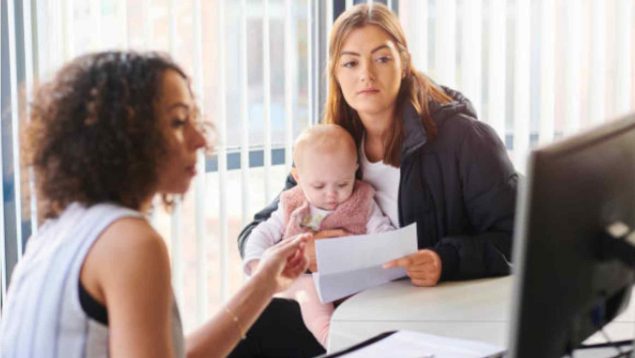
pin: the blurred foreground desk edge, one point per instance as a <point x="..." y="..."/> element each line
<point x="476" y="310"/>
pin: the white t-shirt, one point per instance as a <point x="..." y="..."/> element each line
<point x="385" y="179"/>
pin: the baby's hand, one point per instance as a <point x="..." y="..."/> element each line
<point x="328" y="234"/>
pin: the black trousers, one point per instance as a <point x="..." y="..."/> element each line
<point x="279" y="332"/>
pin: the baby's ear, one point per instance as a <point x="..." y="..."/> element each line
<point x="294" y="174"/>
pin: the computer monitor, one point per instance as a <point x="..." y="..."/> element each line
<point x="564" y="289"/>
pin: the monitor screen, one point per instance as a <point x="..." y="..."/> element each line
<point x="574" y="189"/>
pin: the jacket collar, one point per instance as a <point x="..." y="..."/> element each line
<point x="415" y="134"/>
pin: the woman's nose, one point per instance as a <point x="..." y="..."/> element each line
<point x="197" y="139"/>
<point x="366" y="71"/>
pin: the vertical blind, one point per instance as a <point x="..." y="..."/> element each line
<point x="536" y="70"/>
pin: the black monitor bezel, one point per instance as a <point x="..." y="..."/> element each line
<point x="526" y="339"/>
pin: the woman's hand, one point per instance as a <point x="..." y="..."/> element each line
<point x="279" y="266"/>
<point x="324" y="234"/>
<point x="284" y="262"/>
<point x="423" y="267"/>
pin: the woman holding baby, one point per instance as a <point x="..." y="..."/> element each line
<point x="428" y="158"/>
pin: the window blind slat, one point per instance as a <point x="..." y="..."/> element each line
<point x="176" y="246"/>
<point x="547" y="72"/>
<point x="244" y="116"/>
<point x="96" y="39"/>
<point x="415" y="20"/>
<point x="312" y="64"/>
<point x="496" y="103"/>
<point x="266" y="73"/>
<point x="5" y="262"/>
<point x="624" y="56"/>
<point x="13" y="177"/>
<point x="597" y="77"/>
<point x="222" y="153"/>
<point x="67" y="28"/>
<point x="289" y="80"/>
<point x="199" y="181"/>
<point x="172" y="18"/>
<point x="522" y="71"/>
<point x="572" y="66"/>
<point x="148" y="32"/>
<point x="29" y="50"/>
<point x="445" y="42"/>
<point x="471" y="52"/>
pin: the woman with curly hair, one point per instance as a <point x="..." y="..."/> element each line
<point x="109" y="132"/>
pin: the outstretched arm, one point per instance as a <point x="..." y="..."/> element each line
<point x="278" y="268"/>
<point x="261" y="216"/>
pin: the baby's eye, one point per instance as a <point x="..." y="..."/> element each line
<point x="318" y="187"/>
<point x="342" y="186"/>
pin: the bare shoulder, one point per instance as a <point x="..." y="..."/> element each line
<point x="128" y="271"/>
<point x="131" y="239"/>
<point x="128" y="249"/>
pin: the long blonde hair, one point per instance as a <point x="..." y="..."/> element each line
<point x="416" y="88"/>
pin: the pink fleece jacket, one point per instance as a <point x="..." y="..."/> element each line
<point x="352" y="215"/>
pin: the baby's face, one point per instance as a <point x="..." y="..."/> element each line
<point x="327" y="179"/>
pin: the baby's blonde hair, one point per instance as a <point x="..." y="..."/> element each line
<point x="325" y="138"/>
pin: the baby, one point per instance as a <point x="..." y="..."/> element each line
<point x="327" y="197"/>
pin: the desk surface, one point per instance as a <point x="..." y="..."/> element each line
<point x="476" y="309"/>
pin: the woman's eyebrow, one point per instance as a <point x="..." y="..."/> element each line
<point x="178" y="105"/>
<point x="352" y="53"/>
<point x="380" y="47"/>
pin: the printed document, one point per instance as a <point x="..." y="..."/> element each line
<point x="351" y="264"/>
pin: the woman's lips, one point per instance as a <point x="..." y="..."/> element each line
<point x="368" y="91"/>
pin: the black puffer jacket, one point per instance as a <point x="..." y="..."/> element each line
<point x="460" y="188"/>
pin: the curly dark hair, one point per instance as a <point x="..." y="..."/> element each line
<point x="93" y="134"/>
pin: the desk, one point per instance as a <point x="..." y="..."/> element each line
<point x="475" y="309"/>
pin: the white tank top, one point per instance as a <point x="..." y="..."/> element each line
<point x="42" y="315"/>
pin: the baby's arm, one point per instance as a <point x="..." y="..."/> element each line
<point x="377" y="221"/>
<point x="265" y="235"/>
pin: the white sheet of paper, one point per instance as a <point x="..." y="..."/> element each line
<point x="351" y="264"/>
<point x="409" y="344"/>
